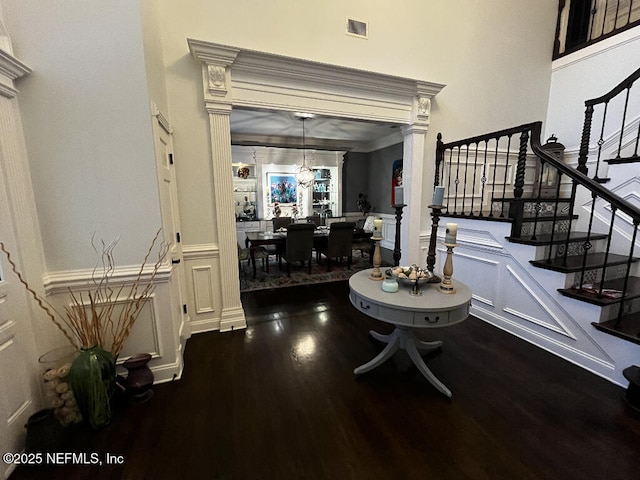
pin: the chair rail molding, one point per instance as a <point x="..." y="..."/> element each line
<point x="235" y="77"/>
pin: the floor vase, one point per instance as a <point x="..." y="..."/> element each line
<point x="92" y="376"/>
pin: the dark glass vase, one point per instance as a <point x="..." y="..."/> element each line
<point x="92" y="377"/>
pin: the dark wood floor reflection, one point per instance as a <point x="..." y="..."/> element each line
<point x="279" y="401"/>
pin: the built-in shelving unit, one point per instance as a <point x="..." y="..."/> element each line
<point x="324" y="194"/>
<point x="245" y="191"/>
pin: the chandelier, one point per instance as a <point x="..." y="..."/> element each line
<point x="305" y="176"/>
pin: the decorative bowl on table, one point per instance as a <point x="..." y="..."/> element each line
<point x="412" y="276"/>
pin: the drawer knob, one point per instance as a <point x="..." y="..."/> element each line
<point x="364" y="307"/>
<point x="428" y="320"/>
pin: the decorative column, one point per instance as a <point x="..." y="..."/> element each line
<point x="216" y="74"/>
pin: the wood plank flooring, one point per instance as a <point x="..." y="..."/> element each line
<point x="279" y="400"/>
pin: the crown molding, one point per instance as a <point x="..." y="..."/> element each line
<point x="10" y="69"/>
<point x="253" y="79"/>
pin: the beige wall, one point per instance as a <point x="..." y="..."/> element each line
<point x="494" y="57"/>
<point x="87" y="126"/>
<point x="86" y="108"/>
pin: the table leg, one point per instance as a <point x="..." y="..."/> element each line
<point x="403" y="338"/>
<point x="252" y="255"/>
<point x="393" y="343"/>
<point x="380" y="337"/>
<point x="414" y="355"/>
<point x="426" y="346"/>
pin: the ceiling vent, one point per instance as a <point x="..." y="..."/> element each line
<point x="357" y="28"/>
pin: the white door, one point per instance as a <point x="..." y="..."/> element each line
<point x="171" y="224"/>
<point x="17" y="378"/>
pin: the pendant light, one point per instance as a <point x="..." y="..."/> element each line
<point x="305" y="176"/>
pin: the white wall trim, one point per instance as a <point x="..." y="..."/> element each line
<point x="596" y="49"/>
<point x="201" y="251"/>
<point x="62" y="281"/>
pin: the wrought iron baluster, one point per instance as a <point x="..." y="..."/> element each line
<point x="608" y="249"/>
<point x="555" y="217"/>
<point x="586" y="245"/>
<point x="439" y="160"/>
<point x="473" y="184"/>
<point x="592" y="19"/>
<point x="584" y="141"/>
<point x="506" y="170"/>
<point x="449" y="178"/>
<point x="601" y="140"/>
<point x="624" y="118"/>
<point x="483" y="179"/>
<point x="521" y="166"/>
<point x="572" y="203"/>
<point x="495" y="166"/>
<point x="626" y="278"/>
<point x="457" y="183"/>
<point x="537" y="207"/>
<point x="635" y="151"/>
<point x="464" y="187"/>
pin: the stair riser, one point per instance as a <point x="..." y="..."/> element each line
<point x="595" y="276"/>
<point x="610" y="312"/>
<point x="543" y="226"/>
<point x="574" y="248"/>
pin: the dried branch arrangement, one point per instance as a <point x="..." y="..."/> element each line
<point x="102" y="314"/>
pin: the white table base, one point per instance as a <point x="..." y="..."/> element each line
<point x="403" y="338"/>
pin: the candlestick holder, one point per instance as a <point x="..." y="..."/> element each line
<point x="436" y="211"/>
<point x="446" y="286"/>
<point x="377" y="260"/>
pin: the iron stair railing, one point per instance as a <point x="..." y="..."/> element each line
<point x="483" y="173"/>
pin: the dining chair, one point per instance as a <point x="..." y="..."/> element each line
<point x="315" y="219"/>
<point x="245" y="254"/>
<point x="279" y="222"/>
<point x="299" y="245"/>
<point x="339" y="243"/>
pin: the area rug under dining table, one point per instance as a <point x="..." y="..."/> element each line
<point x="277" y="278"/>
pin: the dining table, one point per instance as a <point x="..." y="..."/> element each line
<point x="256" y="240"/>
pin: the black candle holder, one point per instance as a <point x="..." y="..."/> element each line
<point x="396" y="248"/>
<point x="436" y="212"/>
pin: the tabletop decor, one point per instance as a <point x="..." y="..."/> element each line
<point x="97" y="322"/>
<point x="376" y="274"/>
<point x="446" y="286"/>
<point x="412" y="276"/>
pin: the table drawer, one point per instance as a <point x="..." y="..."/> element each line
<point x="430" y="319"/>
<point x="364" y="305"/>
<point x="396" y="316"/>
<point x="459" y="314"/>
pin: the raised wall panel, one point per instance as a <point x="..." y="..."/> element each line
<point x="203" y="288"/>
<point x="509" y="293"/>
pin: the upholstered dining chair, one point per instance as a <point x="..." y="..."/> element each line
<point x="339" y="243"/>
<point x="315" y="219"/>
<point x="245" y="254"/>
<point x="299" y="245"/>
<point x="279" y="222"/>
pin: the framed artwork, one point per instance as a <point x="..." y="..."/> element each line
<point x="282" y="188"/>
<point x="396" y="179"/>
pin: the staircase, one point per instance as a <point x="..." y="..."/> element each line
<point x="578" y="226"/>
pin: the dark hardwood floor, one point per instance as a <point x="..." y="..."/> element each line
<point x="279" y="400"/>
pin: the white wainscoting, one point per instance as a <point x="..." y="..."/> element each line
<point x="154" y="332"/>
<point x="514" y="296"/>
<point x="202" y="262"/>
